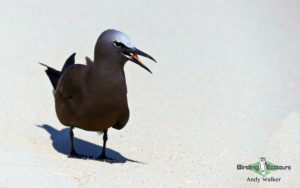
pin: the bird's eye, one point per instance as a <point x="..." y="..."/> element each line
<point x="118" y="44"/>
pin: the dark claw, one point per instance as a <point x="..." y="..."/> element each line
<point x="74" y="154"/>
<point x="107" y="159"/>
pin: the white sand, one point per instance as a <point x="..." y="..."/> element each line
<point x="225" y="91"/>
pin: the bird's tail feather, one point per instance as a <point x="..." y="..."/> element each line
<point x="54" y="74"/>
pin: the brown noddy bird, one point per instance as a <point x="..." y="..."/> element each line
<point x="93" y="97"/>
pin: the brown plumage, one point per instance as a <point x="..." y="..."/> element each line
<point x="93" y="97"/>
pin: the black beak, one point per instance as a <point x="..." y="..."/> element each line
<point x="131" y="54"/>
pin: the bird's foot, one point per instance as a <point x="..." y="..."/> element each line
<point x="74" y="154"/>
<point x="104" y="158"/>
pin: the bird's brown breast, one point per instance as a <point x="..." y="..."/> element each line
<point x="90" y="101"/>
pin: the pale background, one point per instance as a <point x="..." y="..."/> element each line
<point x="225" y="91"/>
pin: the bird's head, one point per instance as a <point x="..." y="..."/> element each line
<point x="117" y="45"/>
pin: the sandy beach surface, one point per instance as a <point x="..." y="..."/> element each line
<point x="225" y="91"/>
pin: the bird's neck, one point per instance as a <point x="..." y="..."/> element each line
<point x="103" y="73"/>
<point x="109" y="67"/>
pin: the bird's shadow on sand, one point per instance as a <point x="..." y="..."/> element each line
<point x="61" y="143"/>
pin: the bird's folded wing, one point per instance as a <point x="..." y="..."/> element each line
<point x="89" y="62"/>
<point x="72" y="81"/>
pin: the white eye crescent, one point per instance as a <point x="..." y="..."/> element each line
<point x="118" y="44"/>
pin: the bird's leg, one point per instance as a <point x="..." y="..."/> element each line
<point x="73" y="152"/>
<point x="103" y="156"/>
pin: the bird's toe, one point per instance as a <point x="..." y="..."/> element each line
<point x="74" y="154"/>
<point x="104" y="158"/>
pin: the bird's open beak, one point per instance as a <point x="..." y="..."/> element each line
<point x="132" y="55"/>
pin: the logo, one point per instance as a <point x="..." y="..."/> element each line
<point x="263" y="168"/>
